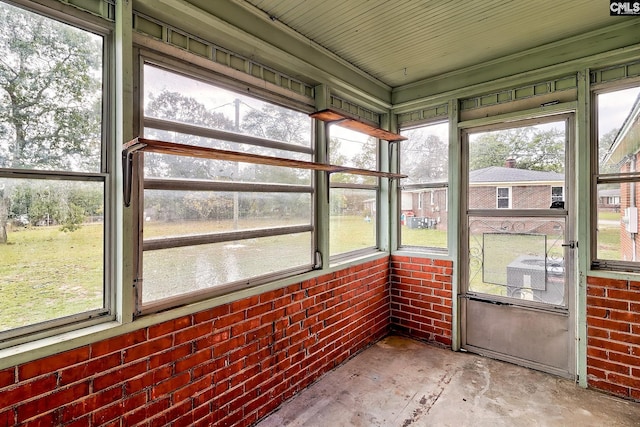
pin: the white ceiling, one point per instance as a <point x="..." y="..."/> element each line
<point x="403" y="41"/>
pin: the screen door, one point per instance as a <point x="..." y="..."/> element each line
<point x="518" y="245"/>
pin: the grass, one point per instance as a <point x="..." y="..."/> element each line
<point x="427" y="237"/>
<point x="47" y="274"/>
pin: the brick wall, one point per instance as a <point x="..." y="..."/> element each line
<point x="230" y="365"/>
<point x="421" y="298"/>
<point x="613" y="336"/>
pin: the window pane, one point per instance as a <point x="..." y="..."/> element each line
<point x="352" y="220"/>
<point x="424" y="157"/>
<point x="178" y="271"/>
<point x="175" y="97"/>
<point x="168" y="166"/>
<point x="530" y="160"/>
<point x="179" y="213"/>
<point x="618" y="146"/>
<point x="519" y="258"/>
<point x="613" y="223"/>
<point x="618" y="129"/>
<point x="51" y="247"/>
<point x="353" y="149"/>
<point x="50" y="94"/>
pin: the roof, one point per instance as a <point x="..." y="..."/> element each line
<point x="627" y="141"/>
<point x="609" y="192"/>
<point x="498" y="174"/>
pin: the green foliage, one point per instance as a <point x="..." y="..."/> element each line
<point x="605" y="143"/>
<point x="50" y="93"/>
<point x="424" y="157"/>
<point x="531" y="148"/>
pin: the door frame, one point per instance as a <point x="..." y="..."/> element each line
<point x="566" y="112"/>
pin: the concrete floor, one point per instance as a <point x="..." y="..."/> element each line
<point x="401" y="382"/>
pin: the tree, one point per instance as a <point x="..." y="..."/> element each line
<point x="604" y="146"/>
<point x="531" y="148"/>
<point x="424" y="158"/>
<point x="50" y="97"/>
<point x="50" y="93"/>
<point x="176" y="107"/>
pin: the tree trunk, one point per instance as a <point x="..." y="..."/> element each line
<point x="4" y="217"/>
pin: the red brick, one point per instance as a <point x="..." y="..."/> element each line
<point x="120" y="375"/>
<point x="169" y="327"/>
<point x="52" y="363"/>
<point x="211" y="314"/>
<point x="7" y="377"/>
<point x="230" y="319"/>
<point x="122" y="407"/>
<point x="169" y="356"/>
<point x="172" y="413"/>
<point x="88" y="369"/>
<point x="608" y="345"/>
<point x="25" y="390"/>
<point x="192" y="388"/>
<point x="193" y="360"/>
<point x="623" y="294"/>
<point x="608" y="324"/>
<point x="606" y="282"/>
<point x="147" y="348"/>
<point x="169" y="385"/>
<point x="144" y="412"/>
<point x="90" y="404"/>
<point x="41" y="421"/>
<point x="598" y="333"/>
<point x="58" y="398"/>
<point x="243" y="304"/>
<point x="118" y="343"/>
<point x="627" y="338"/>
<point x="627" y="359"/>
<point x="7" y="418"/>
<point x="608" y="366"/>
<point x="193" y="332"/>
<point x="624" y="380"/>
<point x="136" y="384"/>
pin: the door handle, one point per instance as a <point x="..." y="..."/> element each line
<point x="570" y="244"/>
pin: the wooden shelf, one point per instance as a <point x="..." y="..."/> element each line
<point x="163" y="147"/>
<point x="341" y="119"/>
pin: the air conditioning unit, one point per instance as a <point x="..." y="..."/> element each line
<point x="630" y="219"/>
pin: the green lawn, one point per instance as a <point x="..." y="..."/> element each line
<point x="432" y="238"/>
<point x="47" y="274"/>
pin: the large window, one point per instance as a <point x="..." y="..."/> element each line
<point x="211" y="226"/>
<point x="424" y="157"/>
<point x="53" y="174"/>
<point x="618" y="179"/>
<point x="353" y="199"/>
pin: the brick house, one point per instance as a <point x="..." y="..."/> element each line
<point x="493" y="187"/>
<point x="625" y="152"/>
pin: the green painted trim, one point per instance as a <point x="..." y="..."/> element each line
<point x="422" y="115"/>
<point x="453" y="220"/>
<point x="322" y="209"/>
<point x="125" y="251"/>
<point x="560" y="57"/>
<point x="584" y="210"/>
<point x="240" y="29"/>
<point x="155" y="29"/>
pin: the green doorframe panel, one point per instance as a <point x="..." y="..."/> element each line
<point x="584" y="209"/>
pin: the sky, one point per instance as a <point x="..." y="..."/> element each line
<point x="614" y="107"/>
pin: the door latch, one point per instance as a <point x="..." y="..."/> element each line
<point x="571" y="244"/>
